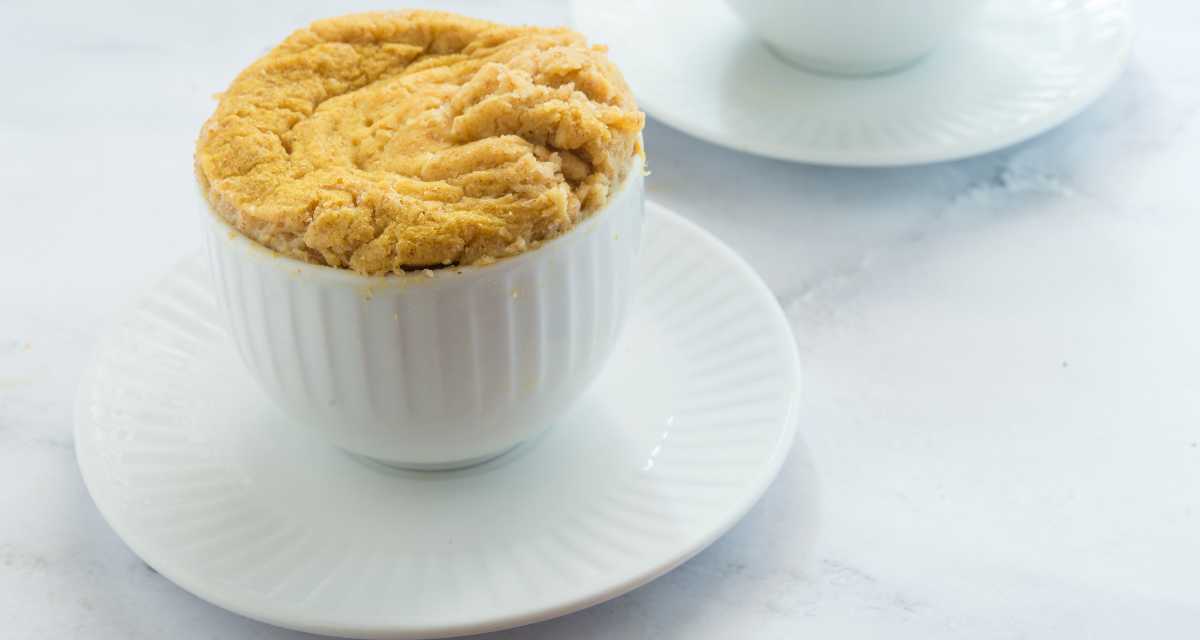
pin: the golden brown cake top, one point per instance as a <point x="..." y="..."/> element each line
<point x="385" y="142"/>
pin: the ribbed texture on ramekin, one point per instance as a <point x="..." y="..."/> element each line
<point x="437" y="370"/>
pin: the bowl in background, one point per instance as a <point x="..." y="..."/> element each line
<point x="854" y="37"/>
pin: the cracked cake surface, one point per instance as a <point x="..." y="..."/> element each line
<point x="386" y="142"/>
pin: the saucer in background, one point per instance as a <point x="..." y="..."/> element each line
<point x="1020" y="68"/>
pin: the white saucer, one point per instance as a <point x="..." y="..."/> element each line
<point x="211" y="486"/>
<point x="1023" y="67"/>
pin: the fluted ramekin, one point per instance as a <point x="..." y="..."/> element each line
<point x="435" y="369"/>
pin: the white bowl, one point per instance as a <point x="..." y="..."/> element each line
<point x="435" y="369"/>
<point x="854" y="37"/>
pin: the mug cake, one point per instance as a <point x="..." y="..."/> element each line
<point x="424" y="227"/>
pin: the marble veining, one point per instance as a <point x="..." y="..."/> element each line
<point x="1001" y="420"/>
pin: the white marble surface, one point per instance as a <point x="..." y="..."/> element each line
<point x="1002" y="413"/>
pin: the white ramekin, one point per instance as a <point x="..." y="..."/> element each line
<point x="435" y="369"/>
<point x="854" y="37"/>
